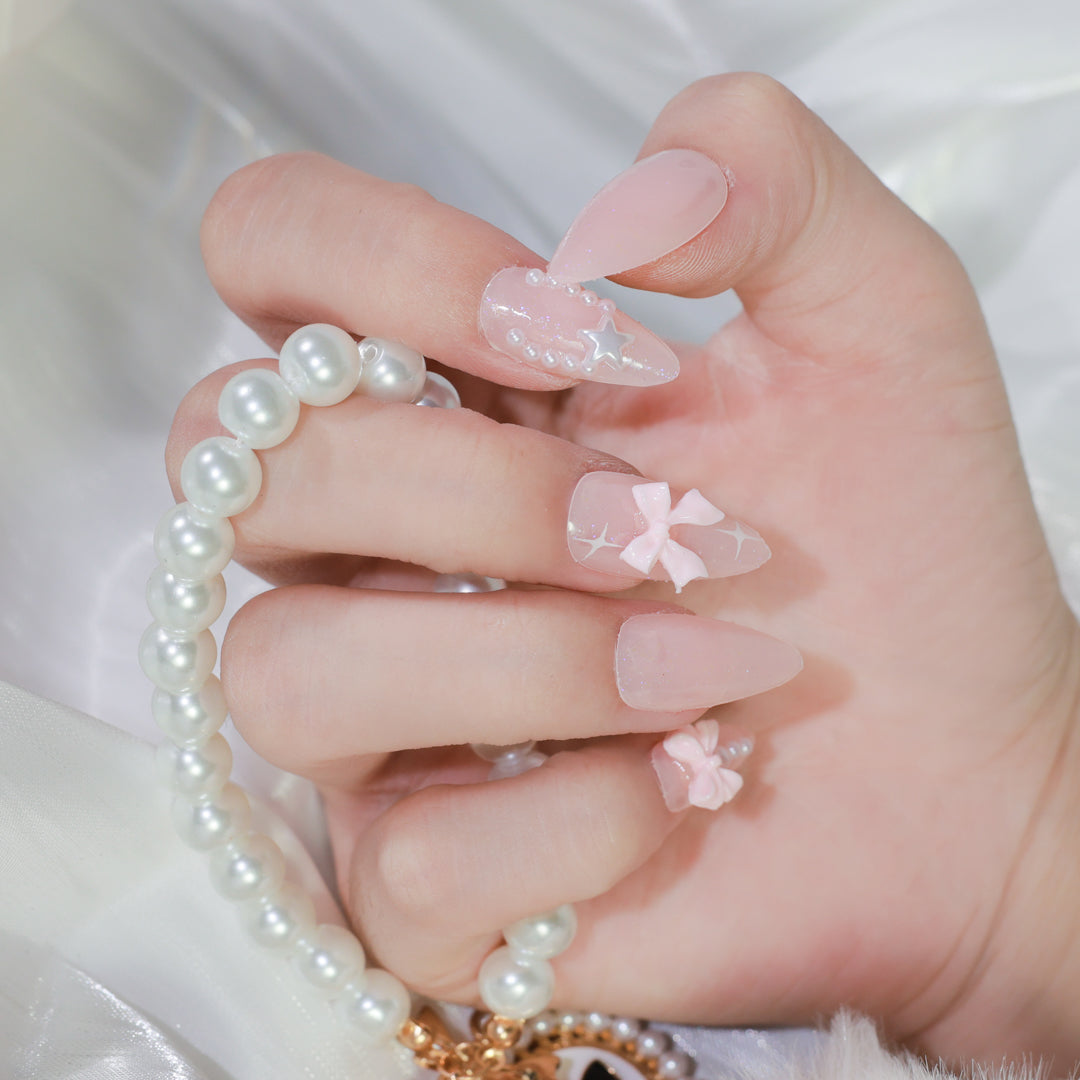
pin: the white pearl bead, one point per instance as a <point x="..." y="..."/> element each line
<point x="491" y="752"/>
<point x="512" y="764"/>
<point x="544" y="1024"/>
<point x="247" y="866"/>
<point x="195" y="771"/>
<point x="175" y="661"/>
<point x="259" y="408"/>
<point x="545" y="935"/>
<point x="391" y="371"/>
<point x="467" y="583"/>
<point x="374" y="1006"/>
<point x="597" y="1021"/>
<point x="279" y="917"/>
<point x="673" y="1065"/>
<point x="328" y="957"/>
<point x="320" y="364"/>
<point x="625" y="1029"/>
<point x="193" y="545"/>
<point x="535" y="277"/>
<point x="205" y="823"/>
<point x="651" y="1044"/>
<point x="190" y="717"/>
<point x="514" y="986"/>
<point x="220" y="477"/>
<point x="179" y="604"/>
<point x="439" y="393"/>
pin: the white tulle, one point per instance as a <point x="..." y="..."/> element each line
<point x="118" y="119"/>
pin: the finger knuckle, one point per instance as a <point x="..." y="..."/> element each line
<point x="411" y="868"/>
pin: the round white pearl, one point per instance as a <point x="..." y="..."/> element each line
<point x="374" y="1006"/>
<point x="328" y="957"/>
<point x="391" y="371"/>
<point x="491" y="752"/>
<point x="195" y="771"/>
<point x="513" y="764"/>
<point x="467" y="583"/>
<point x="221" y="477"/>
<point x="544" y="1024"/>
<point x="190" y="717"/>
<point x="545" y="935"/>
<point x="597" y="1021"/>
<point x="320" y="364"/>
<point x="651" y="1044"/>
<point x="259" y="408"/>
<point x="439" y="393"/>
<point x="673" y="1065"/>
<point x="193" y="545"/>
<point x="179" y="604"/>
<point x="247" y="866"/>
<point x="535" y="277"/>
<point x="174" y="661"/>
<point x="625" y="1029"/>
<point x="280" y="916"/>
<point x="205" y="823"/>
<point x="516" y="987"/>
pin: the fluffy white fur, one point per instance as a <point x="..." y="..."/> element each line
<point x="852" y="1051"/>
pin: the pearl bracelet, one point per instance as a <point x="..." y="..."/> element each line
<point x="319" y="365"/>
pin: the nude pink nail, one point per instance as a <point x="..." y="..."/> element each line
<point x="671" y="662"/>
<point x="652" y="208"/>
<point x="694" y="768"/>
<point x="626" y="525"/>
<point x="569" y="330"/>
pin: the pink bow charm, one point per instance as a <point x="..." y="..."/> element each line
<point x="693" y="748"/>
<point x="655" y="543"/>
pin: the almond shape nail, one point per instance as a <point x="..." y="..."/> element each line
<point x="654" y="207"/>
<point x="570" y="331"/>
<point x="672" y="662"/>
<point x="604" y="518"/>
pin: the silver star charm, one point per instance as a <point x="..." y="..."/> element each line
<point x="606" y="344"/>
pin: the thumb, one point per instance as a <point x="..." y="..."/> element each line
<point x="827" y="262"/>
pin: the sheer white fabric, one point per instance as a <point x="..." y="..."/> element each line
<point x="118" y="118"/>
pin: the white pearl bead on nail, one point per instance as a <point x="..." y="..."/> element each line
<point x="391" y="371"/>
<point x="179" y="604"/>
<point x="220" y="476"/>
<point x="651" y="1044"/>
<point x="204" y="823"/>
<point x="374" y="1005"/>
<point x="624" y="1028"/>
<point x="259" y="408"/>
<point x="277" y="918"/>
<point x="516" y="987"/>
<point x="320" y="364"/>
<point x="195" y="771"/>
<point x="544" y="935"/>
<point x="193" y="545"/>
<point x="190" y="717"/>
<point x="247" y="866"/>
<point x="328" y="957"/>
<point x="438" y="393"/>
<point x="176" y="661"/>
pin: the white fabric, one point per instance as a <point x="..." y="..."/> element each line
<point x="118" y="120"/>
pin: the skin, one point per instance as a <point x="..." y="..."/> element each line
<point x="905" y="842"/>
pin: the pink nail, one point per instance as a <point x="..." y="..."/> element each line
<point x="652" y="208"/>
<point x="670" y="662"/>
<point x="625" y="525"/>
<point x="695" y="769"/>
<point x="569" y="330"/>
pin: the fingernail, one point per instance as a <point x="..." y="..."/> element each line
<point x="670" y="662"/>
<point x="623" y="524"/>
<point x="694" y="769"/>
<point x="569" y="330"/>
<point x="652" y="208"/>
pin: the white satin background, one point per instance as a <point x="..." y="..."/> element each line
<point x="118" y="118"/>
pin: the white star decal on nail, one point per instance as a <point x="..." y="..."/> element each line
<point x="596" y="543"/>
<point x="740" y="535"/>
<point x="606" y="344"/>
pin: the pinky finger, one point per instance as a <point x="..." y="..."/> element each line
<point x="443" y="872"/>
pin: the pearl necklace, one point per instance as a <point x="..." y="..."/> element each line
<point x="322" y="365"/>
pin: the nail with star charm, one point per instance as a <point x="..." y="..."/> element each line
<point x="621" y="524"/>
<point x="548" y="320"/>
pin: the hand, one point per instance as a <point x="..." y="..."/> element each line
<point x="905" y="843"/>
